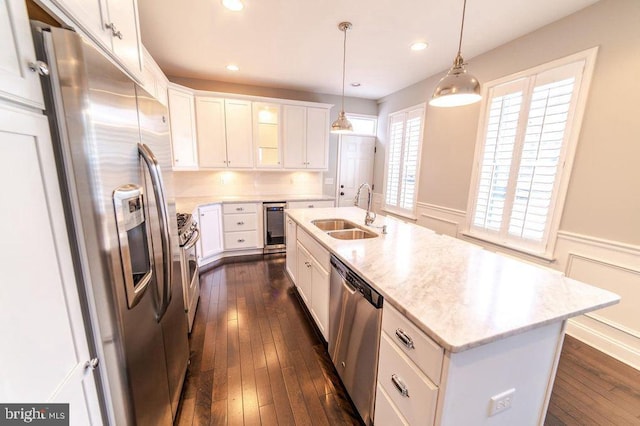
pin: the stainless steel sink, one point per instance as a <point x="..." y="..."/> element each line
<point x="352" y="234"/>
<point x="334" y="224"/>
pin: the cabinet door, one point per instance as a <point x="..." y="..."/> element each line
<point x="317" y="138"/>
<point x="266" y="135"/>
<point x="212" y="144"/>
<point x="291" y="240"/>
<point x="239" y="133"/>
<point x="182" y="117"/>
<point x="304" y="274"/>
<point x="40" y="305"/>
<point x="210" y="242"/>
<point x="123" y="15"/>
<point x="17" y="81"/>
<point x="90" y="15"/>
<point x="294" y="136"/>
<point x="320" y="297"/>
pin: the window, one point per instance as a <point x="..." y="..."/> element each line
<point x="363" y="124"/>
<point x="526" y="141"/>
<point x="403" y="161"/>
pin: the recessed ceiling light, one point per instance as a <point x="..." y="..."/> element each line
<point x="355" y="84"/>
<point x="419" y="45"/>
<point x="232" y="67"/>
<point x="235" y="5"/>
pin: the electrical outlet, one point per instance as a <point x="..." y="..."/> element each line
<point x="501" y="402"/>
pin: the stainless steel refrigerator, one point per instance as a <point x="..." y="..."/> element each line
<point x="114" y="158"/>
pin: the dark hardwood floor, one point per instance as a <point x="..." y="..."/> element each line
<point x="255" y="357"/>
<point x="257" y="360"/>
<point x="591" y="388"/>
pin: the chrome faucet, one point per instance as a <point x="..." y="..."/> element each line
<point x="370" y="216"/>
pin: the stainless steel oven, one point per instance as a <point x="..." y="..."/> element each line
<point x="274" y="238"/>
<point x="189" y="234"/>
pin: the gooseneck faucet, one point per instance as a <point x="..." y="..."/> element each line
<point x="370" y="216"/>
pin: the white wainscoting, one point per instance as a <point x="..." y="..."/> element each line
<point x="611" y="265"/>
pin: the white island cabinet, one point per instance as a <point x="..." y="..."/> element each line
<point x="210" y="243"/>
<point x="468" y="337"/>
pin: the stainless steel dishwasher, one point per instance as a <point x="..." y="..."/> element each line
<point x="355" y="309"/>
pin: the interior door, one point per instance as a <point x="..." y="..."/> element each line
<point x="355" y="167"/>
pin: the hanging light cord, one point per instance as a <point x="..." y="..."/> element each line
<point x="344" y="61"/>
<point x="464" y="8"/>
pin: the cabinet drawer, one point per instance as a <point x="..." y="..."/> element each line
<point x="397" y="372"/>
<point x="315" y="249"/>
<point x="426" y="353"/>
<point x="309" y="204"/>
<point x="240" y="240"/>
<point x="240" y="222"/>
<point x="386" y="413"/>
<point x="239" y="208"/>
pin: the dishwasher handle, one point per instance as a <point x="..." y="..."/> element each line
<point x="356" y="283"/>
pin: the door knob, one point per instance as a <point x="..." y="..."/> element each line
<point x="341" y="193"/>
<point x="341" y="186"/>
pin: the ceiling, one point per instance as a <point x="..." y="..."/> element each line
<point x="296" y="44"/>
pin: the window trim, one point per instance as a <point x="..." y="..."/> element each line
<point x="374" y="118"/>
<point x="568" y="156"/>
<point x="393" y="209"/>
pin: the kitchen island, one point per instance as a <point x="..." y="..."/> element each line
<point x="495" y="325"/>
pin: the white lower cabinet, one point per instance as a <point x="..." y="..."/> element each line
<point x="386" y="413"/>
<point x="413" y="394"/>
<point x="409" y="369"/>
<point x="291" y="239"/>
<point x="210" y="242"/>
<point x="312" y="280"/>
<point x="242" y="226"/>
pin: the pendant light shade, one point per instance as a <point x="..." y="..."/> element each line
<point x="342" y="125"/>
<point x="458" y="87"/>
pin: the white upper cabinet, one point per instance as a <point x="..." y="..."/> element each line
<point x="183" y="129"/>
<point x="294" y="136"/>
<point x="267" y="135"/>
<point x="17" y="81"/>
<point x="238" y="120"/>
<point x="306" y="137"/>
<point x="153" y="79"/>
<point x="210" y="124"/>
<point x="111" y="23"/>
<point x="317" y="138"/>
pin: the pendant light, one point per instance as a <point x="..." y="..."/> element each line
<point x="342" y="125"/>
<point x="457" y="87"/>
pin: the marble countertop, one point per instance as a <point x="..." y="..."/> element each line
<point x="188" y="204"/>
<point x="459" y="294"/>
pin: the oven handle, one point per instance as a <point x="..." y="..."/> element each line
<point x="193" y="240"/>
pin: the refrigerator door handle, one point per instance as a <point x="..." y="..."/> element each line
<point x="158" y="190"/>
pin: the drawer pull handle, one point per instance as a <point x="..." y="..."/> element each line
<point x="239" y="209"/>
<point x="404" y="338"/>
<point x="241" y="240"/>
<point x="402" y="388"/>
<point x="310" y="206"/>
<point x="241" y="223"/>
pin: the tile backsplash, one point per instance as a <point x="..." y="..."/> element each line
<point x="241" y="183"/>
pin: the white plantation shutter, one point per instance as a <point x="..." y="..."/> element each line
<point x="403" y="160"/>
<point x="527" y="128"/>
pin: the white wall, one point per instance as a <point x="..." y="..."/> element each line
<point x="599" y="239"/>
